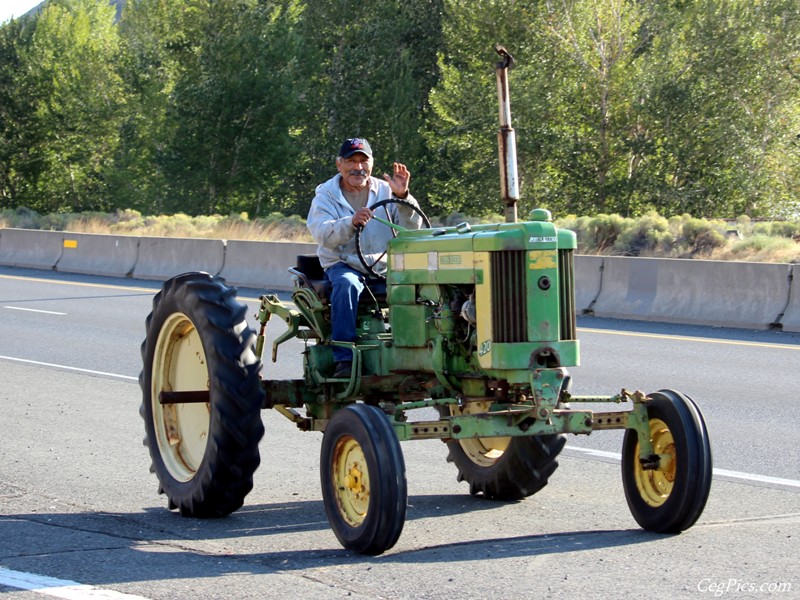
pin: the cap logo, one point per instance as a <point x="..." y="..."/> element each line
<point x="353" y="145"/>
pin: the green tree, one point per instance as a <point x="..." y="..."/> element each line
<point x="156" y="46"/>
<point x="236" y="106"/>
<point x="723" y="107"/>
<point x="74" y="96"/>
<point x="233" y="108"/>
<point x="13" y="115"/>
<point x="587" y="114"/>
<point x="461" y="129"/>
<point x="622" y="105"/>
<point x="373" y="73"/>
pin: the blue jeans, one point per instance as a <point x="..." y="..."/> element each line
<point x="347" y="287"/>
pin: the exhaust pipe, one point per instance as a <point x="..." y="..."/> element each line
<point x="507" y="145"/>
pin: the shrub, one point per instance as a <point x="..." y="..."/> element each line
<point x="701" y="237"/>
<point x="763" y="248"/>
<point x="786" y="229"/>
<point x="603" y="231"/>
<point x="579" y="225"/>
<point x="647" y="235"/>
<point x="23" y="218"/>
<point x="759" y="242"/>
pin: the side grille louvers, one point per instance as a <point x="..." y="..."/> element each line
<point x="566" y="276"/>
<point x="510" y="314"/>
<point x="509" y="296"/>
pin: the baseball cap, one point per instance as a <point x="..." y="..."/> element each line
<point x="353" y="145"/>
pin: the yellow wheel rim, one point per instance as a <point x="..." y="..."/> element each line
<point x="655" y="485"/>
<point x="350" y="480"/>
<point x="179" y="364"/>
<point x="484" y="452"/>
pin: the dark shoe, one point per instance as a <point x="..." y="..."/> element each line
<point x="343" y="370"/>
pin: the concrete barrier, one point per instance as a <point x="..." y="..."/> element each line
<point x="111" y="255"/>
<point x="588" y="281"/>
<point x="30" y="248"/>
<point x="718" y="293"/>
<point x="791" y="317"/>
<point x="262" y="264"/>
<point x="162" y="258"/>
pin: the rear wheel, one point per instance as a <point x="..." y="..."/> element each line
<point x="503" y="468"/>
<point x="204" y="439"/>
<point x="363" y="479"/>
<point x="670" y="498"/>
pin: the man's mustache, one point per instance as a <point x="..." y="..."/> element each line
<point x="359" y="172"/>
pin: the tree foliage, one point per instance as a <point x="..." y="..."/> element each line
<point x="68" y="95"/>
<point x="230" y="106"/>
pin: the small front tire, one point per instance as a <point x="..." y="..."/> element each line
<point x="363" y="479"/>
<point x="670" y="498"/>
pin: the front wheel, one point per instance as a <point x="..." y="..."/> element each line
<point x="201" y="396"/>
<point x="363" y="479"/>
<point x="671" y="497"/>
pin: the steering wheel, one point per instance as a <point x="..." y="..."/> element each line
<point x="370" y="266"/>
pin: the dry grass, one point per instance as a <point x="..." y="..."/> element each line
<point x="236" y="227"/>
<point x="760" y="248"/>
<point x="649" y="235"/>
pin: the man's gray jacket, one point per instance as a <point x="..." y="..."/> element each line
<point x="330" y="221"/>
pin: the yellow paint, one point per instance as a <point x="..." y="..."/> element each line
<point x="70" y="243"/>
<point x="542" y="259"/>
<point x="416" y="261"/>
<point x="655" y="486"/>
<point x="483" y="304"/>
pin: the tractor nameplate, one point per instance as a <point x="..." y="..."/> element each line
<point x="450" y="259"/>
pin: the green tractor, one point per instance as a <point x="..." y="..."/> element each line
<point x="477" y="324"/>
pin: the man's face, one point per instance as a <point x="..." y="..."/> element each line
<point x="355" y="171"/>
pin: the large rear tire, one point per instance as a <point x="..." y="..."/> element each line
<point x="670" y="498"/>
<point x="363" y="478"/>
<point x="204" y="453"/>
<point x="503" y="468"/>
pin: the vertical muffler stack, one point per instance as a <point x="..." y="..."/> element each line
<point x="507" y="145"/>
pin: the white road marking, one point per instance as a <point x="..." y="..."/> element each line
<point x="59" y="588"/>
<point x="753" y="477"/>
<point x="36" y="310"/>
<point x="615" y="456"/>
<point x="792" y="483"/>
<point x="44" y="364"/>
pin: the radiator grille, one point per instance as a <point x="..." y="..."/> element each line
<point x="566" y="277"/>
<point x="510" y="314"/>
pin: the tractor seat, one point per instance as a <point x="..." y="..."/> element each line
<point x="310" y="274"/>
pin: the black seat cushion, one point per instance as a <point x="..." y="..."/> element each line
<point x="309" y="265"/>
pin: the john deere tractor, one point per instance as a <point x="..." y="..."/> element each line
<point x="477" y="324"/>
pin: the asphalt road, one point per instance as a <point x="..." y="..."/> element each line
<point x="80" y="516"/>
